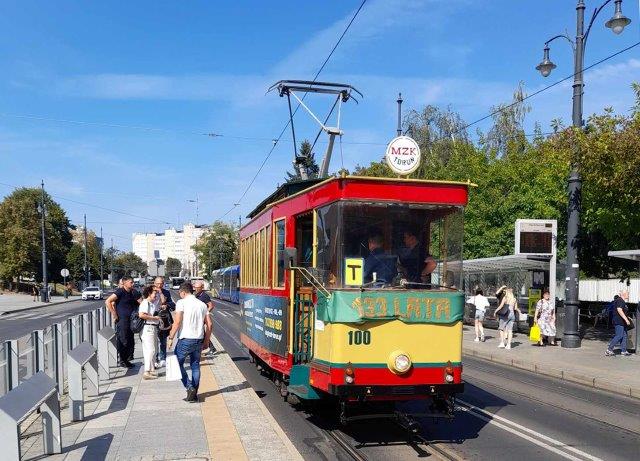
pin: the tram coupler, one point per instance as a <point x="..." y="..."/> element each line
<point x="407" y="422"/>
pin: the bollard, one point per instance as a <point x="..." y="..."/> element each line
<point x="38" y="345"/>
<point x="82" y="358"/>
<point x="11" y="347"/>
<point x="58" y="352"/>
<point x="107" y="353"/>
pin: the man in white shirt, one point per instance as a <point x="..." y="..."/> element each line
<point x="192" y="325"/>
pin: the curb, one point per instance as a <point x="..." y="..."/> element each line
<point x="570" y="376"/>
<point x="293" y="451"/>
<point x="22" y="309"/>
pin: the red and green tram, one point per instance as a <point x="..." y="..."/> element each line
<point x="351" y="287"/>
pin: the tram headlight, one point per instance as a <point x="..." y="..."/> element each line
<point x="349" y="374"/>
<point x="399" y="362"/>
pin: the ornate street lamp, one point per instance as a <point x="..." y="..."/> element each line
<point x="617" y="24"/>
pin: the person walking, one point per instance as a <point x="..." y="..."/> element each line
<point x="164" y="305"/>
<point x="545" y="318"/>
<point x="149" y="336"/>
<point x="621" y="323"/>
<point x="34" y="292"/>
<point x="192" y="326"/>
<point x="481" y="303"/>
<point x="121" y="304"/>
<point x="202" y="295"/>
<point x="506" y="316"/>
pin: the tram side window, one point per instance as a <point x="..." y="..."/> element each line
<point x="279" y="253"/>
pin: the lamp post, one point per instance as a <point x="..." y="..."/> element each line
<point x="44" y="294"/>
<point x="617" y="23"/>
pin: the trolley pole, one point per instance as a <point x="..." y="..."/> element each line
<point x="399" y="101"/>
<point x="44" y="294"/>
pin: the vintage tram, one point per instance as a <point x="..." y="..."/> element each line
<point x="351" y="287"/>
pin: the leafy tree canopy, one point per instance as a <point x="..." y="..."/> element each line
<point x="172" y="267"/>
<point x="218" y="247"/>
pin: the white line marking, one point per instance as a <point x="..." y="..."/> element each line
<point x="537" y="438"/>
<point x="226" y="314"/>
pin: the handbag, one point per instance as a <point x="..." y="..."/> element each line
<point x="631" y="326"/>
<point x="534" y="334"/>
<point x="136" y="323"/>
<point x="173" y="372"/>
<point x="504" y="310"/>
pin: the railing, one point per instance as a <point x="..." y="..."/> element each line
<point x="46" y="350"/>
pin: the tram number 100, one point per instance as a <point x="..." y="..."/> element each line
<point x="359" y="337"/>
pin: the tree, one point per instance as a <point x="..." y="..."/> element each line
<point x="307" y="158"/>
<point x="75" y="256"/>
<point x="218" y="247"/>
<point x="20" y="235"/>
<point x="128" y="264"/>
<point x="172" y="267"/>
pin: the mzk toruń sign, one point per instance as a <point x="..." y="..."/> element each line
<point x="403" y="155"/>
<point x="407" y="306"/>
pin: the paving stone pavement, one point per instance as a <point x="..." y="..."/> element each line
<point x="135" y="419"/>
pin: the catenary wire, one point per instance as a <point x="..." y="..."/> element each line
<point x="275" y="143"/>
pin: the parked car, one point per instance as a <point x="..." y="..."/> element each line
<point x="92" y="293"/>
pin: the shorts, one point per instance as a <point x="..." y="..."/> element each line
<point x="479" y="315"/>
<point x="506" y="323"/>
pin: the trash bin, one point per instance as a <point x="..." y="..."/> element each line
<point x="560" y="316"/>
<point x="633" y="335"/>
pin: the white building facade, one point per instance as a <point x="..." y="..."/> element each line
<point x="172" y="243"/>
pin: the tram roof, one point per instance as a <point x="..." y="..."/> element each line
<point x="297" y="187"/>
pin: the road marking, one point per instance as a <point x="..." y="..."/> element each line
<point x="537" y="438"/>
<point x="226" y="314"/>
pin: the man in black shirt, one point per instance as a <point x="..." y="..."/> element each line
<point x="121" y="304"/>
<point x="202" y="295"/>
<point x="620" y="322"/>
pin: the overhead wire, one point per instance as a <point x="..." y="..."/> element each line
<point x="277" y="140"/>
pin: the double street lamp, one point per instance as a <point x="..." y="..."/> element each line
<point x="617" y="23"/>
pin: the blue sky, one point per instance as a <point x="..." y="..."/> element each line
<point x="187" y="68"/>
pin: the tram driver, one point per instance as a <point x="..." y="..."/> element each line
<point x="416" y="264"/>
<point x="378" y="263"/>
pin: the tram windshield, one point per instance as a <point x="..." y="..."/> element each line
<point x="387" y="246"/>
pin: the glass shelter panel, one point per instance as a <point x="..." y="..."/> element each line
<point x="389" y="245"/>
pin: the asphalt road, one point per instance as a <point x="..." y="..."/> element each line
<point x="503" y="414"/>
<point x="14" y="325"/>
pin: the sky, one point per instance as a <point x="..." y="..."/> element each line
<point x="112" y="103"/>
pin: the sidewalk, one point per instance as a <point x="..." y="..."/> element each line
<point x="134" y="419"/>
<point x="586" y="365"/>
<point x="16" y="302"/>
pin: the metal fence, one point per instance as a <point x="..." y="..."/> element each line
<point x="46" y="350"/>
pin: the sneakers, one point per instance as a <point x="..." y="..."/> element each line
<point x="482" y="338"/>
<point x="477" y="340"/>
<point x="508" y="346"/>
<point x="609" y="353"/>
<point x="147" y="375"/>
<point x="625" y="353"/>
<point x="192" y="395"/>
<point x="125" y="364"/>
<point x="159" y="364"/>
<point x="501" y="346"/>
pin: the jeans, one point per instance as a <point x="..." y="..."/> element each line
<point x="620" y="337"/>
<point x="162" y="351"/>
<point x="192" y="349"/>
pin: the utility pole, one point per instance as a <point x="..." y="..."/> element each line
<point x="101" y="260"/>
<point x="44" y="294"/>
<point x="112" y="258"/>
<point x="86" y="266"/>
<point x="399" y="101"/>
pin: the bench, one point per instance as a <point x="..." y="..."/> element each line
<point x="107" y="352"/>
<point x="82" y="358"/>
<point x="38" y="392"/>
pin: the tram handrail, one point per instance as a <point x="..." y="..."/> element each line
<point x="311" y="279"/>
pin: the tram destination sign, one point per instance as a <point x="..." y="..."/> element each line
<point x="403" y="155"/>
<point x="535" y="237"/>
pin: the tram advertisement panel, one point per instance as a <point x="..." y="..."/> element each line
<point x="264" y="319"/>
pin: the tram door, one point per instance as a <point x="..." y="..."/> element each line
<point x="303" y="316"/>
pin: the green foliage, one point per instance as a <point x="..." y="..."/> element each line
<point x="75" y="258"/>
<point x="218" y="247"/>
<point x="522" y="178"/>
<point x="128" y="264"/>
<point x="172" y="267"/>
<point x="308" y="161"/>
<point x="20" y="235"/>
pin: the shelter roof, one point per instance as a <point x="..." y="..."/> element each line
<point x="633" y="255"/>
<point x="505" y="264"/>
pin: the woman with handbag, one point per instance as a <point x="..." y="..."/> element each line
<point x="545" y="318"/>
<point x="506" y="315"/>
<point x="149" y="334"/>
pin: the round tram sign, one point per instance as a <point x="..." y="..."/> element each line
<point x="64" y="272"/>
<point x="403" y="155"/>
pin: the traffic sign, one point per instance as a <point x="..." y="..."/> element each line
<point x="64" y="272"/>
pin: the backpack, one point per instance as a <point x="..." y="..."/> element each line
<point x="136" y="323"/>
<point x="611" y="308"/>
